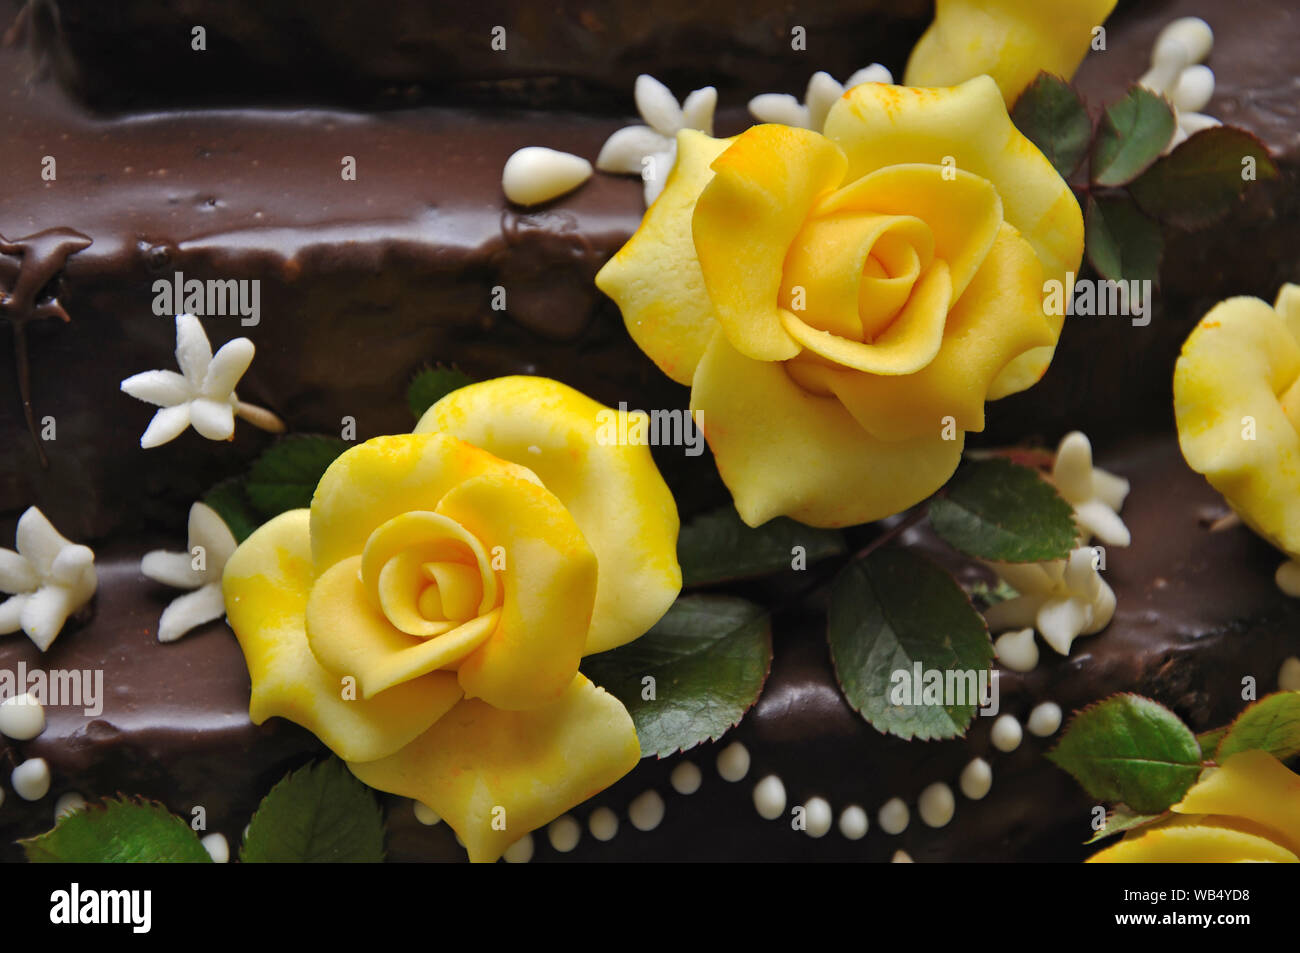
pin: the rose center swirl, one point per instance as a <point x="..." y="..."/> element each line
<point x="428" y="574"/>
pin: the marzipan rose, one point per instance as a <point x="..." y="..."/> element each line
<point x="842" y="305"/>
<point x="1237" y="406"/>
<point x="427" y="616"/>
<point x="1010" y="40"/>
<point x="1247" y="809"/>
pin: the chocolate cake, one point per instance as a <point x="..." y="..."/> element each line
<point x="171" y="163"/>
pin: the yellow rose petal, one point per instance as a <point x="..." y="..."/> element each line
<point x="614" y="492"/>
<point x="1000" y="317"/>
<point x="764" y="186"/>
<point x="266" y="584"/>
<point x="906" y="346"/>
<point x="1252" y="785"/>
<point x="548" y="590"/>
<point x="1194" y="845"/>
<point x="408" y="543"/>
<point x="670" y="320"/>
<point x="784" y="451"/>
<point x="496" y="775"/>
<point x="386" y="477"/>
<point x="879" y="126"/>
<point x="1232" y="383"/>
<point x="1011" y="40"/>
<point x="350" y="635"/>
<point x="834" y="279"/>
<point x="962" y="210"/>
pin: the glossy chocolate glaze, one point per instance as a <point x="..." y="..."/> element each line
<point x="577" y="53"/>
<point x="364" y="281"/>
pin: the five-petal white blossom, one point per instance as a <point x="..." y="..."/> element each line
<point x="203" y="393"/>
<point x="822" y="92"/>
<point x="49" y="578"/>
<point x="1177" y="74"/>
<point x="1062" y="599"/>
<point x="1096" y="495"/>
<point x="650" y="150"/>
<point x="210" y="545"/>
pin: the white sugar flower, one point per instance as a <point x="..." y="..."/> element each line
<point x="1062" y="599"/>
<point x="1096" y="495"/>
<point x="822" y="92"/>
<point x="650" y="150"/>
<point x="49" y="578"/>
<point x="203" y="393"/>
<point x="1177" y="74"/>
<point x="210" y="545"/>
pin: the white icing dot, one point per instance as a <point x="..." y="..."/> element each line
<point x="564" y="833"/>
<point x="217" y="848"/>
<point x="646" y="812"/>
<point x="769" y="798"/>
<point x="854" y="823"/>
<point x="936" y="805"/>
<point x="425" y="814"/>
<point x="1044" y="719"/>
<point x="535" y="174"/>
<point x="893" y="816"/>
<point x="535" y="450"/>
<point x="521" y="851"/>
<point x="1006" y="733"/>
<point x="31" y="779"/>
<point x="1017" y="651"/>
<point x="686" y="778"/>
<point x="68" y="803"/>
<point x="22" y="717"/>
<point x="901" y="857"/>
<point x="818" y="817"/>
<point x="603" y="824"/>
<point x="976" y="779"/>
<point x="733" y="762"/>
<point x="1288" y="676"/>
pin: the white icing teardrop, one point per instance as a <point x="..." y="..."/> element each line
<point x="1006" y="733"/>
<point x="1017" y="650"/>
<point x="1045" y="719"/>
<point x="976" y="779"/>
<point x="769" y="798"/>
<point x="535" y="174"/>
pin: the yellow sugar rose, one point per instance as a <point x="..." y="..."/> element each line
<point x="842" y="305"/>
<point x="1010" y="40"/>
<point x="1247" y="809"/>
<point x="1237" y="406"/>
<point x="426" y="617"/>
